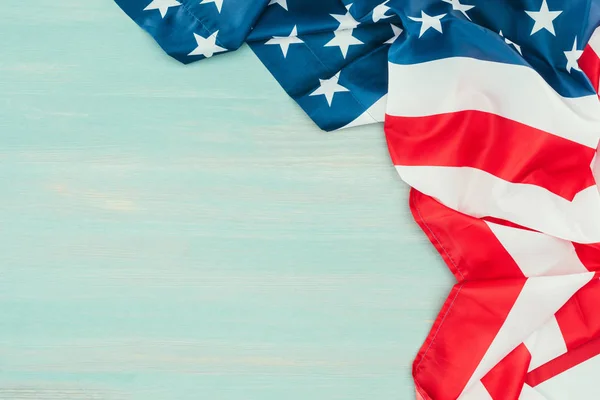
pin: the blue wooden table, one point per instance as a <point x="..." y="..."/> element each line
<point x="171" y="232"/>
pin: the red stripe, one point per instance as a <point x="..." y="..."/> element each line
<point x="589" y="254"/>
<point x="462" y="333"/>
<point x="507" y="149"/>
<point x="453" y="235"/>
<point x="505" y="381"/>
<point x="590" y="65"/>
<point x="579" y="323"/>
<point x="419" y="396"/>
<point x="579" y="319"/>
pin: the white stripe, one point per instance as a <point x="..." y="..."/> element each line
<point x="594" y="42"/>
<point x="528" y="393"/>
<point x="375" y="113"/>
<point x="477" y="392"/>
<point x="539" y="299"/>
<point x="537" y="254"/>
<point x="479" y="194"/>
<point x="515" y="92"/>
<point x="545" y="344"/>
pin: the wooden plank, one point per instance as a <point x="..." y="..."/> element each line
<point x="172" y="232"/>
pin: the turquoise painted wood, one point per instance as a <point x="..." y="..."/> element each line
<point x="172" y="232"/>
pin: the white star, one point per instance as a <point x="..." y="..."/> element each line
<point x="285" y="41"/>
<point x="218" y="3"/>
<point x="207" y="47"/>
<point x="343" y="39"/>
<point x="346" y="21"/>
<point x="573" y="56"/>
<point x="162" y="6"/>
<point x="463" y="8"/>
<point x="397" y="32"/>
<point x="511" y="43"/>
<point x="328" y="88"/>
<point x="379" y="12"/>
<point x="282" y="3"/>
<point x="543" y="19"/>
<point x="428" y="21"/>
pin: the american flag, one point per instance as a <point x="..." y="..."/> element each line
<point x="492" y="116"/>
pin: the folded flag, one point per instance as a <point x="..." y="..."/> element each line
<point x="492" y="116"/>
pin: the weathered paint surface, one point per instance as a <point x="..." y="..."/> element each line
<point x="171" y="232"/>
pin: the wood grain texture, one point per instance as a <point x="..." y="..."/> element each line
<point x="172" y="232"/>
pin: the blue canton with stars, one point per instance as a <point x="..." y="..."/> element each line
<point x="332" y="56"/>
